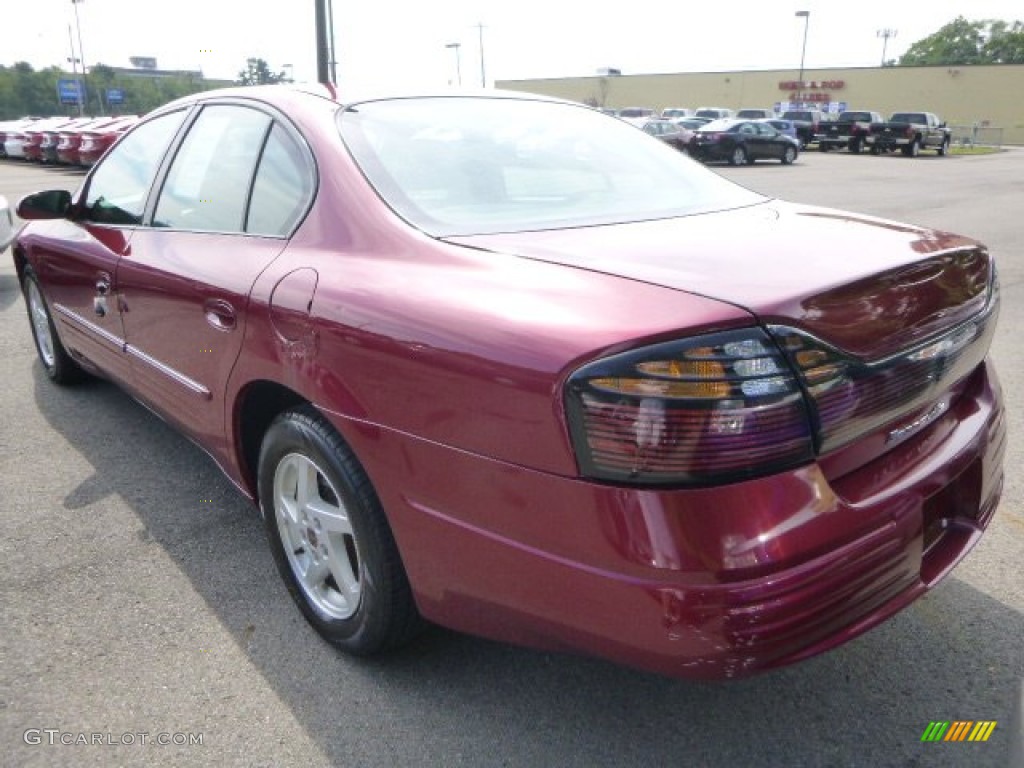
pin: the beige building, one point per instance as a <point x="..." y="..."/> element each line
<point x="985" y="101"/>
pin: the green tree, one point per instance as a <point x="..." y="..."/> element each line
<point x="968" y="42"/>
<point x="257" y="72"/>
<point x="1005" y="43"/>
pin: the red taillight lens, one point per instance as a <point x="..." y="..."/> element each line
<point x="850" y="397"/>
<point x="710" y="409"/>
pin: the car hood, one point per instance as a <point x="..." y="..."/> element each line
<point x="867" y="285"/>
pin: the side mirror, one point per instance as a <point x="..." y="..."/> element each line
<point x="52" y="204"/>
<point x="942" y="124"/>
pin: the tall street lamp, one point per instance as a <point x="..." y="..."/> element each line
<point x="803" y="51"/>
<point x="458" y="62"/>
<point x="885" y="34"/>
<point x="483" y="72"/>
<point x="74" y="60"/>
<point x="81" y="52"/>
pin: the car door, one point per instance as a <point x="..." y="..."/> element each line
<point x="187" y="278"/>
<point x="769" y="141"/>
<point x="77" y="263"/>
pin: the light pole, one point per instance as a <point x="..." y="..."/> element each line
<point x="458" y="62"/>
<point x="483" y="75"/>
<point x="81" y="52"/>
<point x="885" y="34"/>
<point x="74" y="70"/>
<point x="803" y="51"/>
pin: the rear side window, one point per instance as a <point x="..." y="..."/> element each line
<point x="118" y="188"/>
<point x="208" y="184"/>
<point x="282" y="189"/>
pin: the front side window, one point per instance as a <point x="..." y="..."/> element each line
<point x="208" y="183"/>
<point x="119" y="186"/>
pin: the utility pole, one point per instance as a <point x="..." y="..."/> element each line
<point x="458" y="62"/>
<point x="330" y="31"/>
<point x="322" y="53"/>
<point x="74" y="70"/>
<point x="81" y="52"/>
<point x="803" y="51"/>
<point x="483" y="73"/>
<point x="885" y="34"/>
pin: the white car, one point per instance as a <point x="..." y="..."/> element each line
<point x="14" y="138"/>
<point x="6" y="224"/>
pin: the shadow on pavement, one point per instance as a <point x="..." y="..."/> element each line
<point x="455" y="700"/>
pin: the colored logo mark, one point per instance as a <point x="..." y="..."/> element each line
<point x="958" y="730"/>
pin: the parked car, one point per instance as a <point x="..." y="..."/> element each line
<point x="95" y="142"/>
<point x="714" y="113"/>
<point x="501" y="363"/>
<point x="910" y="132"/>
<point x="851" y="131"/>
<point x="16" y="140"/>
<point x="688" y="125"/>
<point x="807" y="123"/>
<point x="755" y="114"/>
<point x="634" y="113"/>
<point x="667" y="131"/>
<point x="675" y="113"/>
<point x="12" y="126"/>
<point x="44" y="148"/>
<point x="741" y="142"/>
<point x="785" y="127"/>
<point x="6" y="224"/>
<point x="70" y="141"/>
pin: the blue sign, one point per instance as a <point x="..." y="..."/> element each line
<point x="115" y="96"/>
<point x="69" y="91"/>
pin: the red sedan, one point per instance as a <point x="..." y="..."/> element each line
<point x="69" y="140"/>
<point x="507" y="365"/>
<point x="92" y="143"/>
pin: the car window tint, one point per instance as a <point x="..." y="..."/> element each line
<point x="282" y="189"/>
<point x="118" y="188"/>
<point x="208" y="184"/>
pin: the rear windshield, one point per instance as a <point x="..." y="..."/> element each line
<point x="856" y="117"/>
<point x="908" y="117"/>
<point x="475" y="165"/>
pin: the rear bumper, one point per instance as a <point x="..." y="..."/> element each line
<point x="702" y="583"/>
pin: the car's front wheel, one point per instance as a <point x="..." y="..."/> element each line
<point x="58" y="364"/>
<point x="789" y="155"/>
<point x="330" y="538"/>
<point x="738" y="156"/>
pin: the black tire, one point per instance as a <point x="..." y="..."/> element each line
<point x="822" y="147"/>
<point x="855" y="146"/>
<point x="943" y="147"/>
<point x="343" y="537"/>
<point x="59" y="366"/>
<point x="913" y="149"/>
<point x="738" y="156"/>
<point x="789" y="155"/>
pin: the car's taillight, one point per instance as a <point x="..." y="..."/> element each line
<point x="850" y="397"/>
<point x="707" y="409"/>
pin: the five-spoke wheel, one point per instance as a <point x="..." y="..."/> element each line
<point x="330" y="537"/>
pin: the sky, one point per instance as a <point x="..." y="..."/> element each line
<point x="402" y="44"/>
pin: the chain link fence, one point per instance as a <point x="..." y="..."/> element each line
<point x="977" y="135"/>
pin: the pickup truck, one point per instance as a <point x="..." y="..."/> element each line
<point x="807" y="122"/>
<point x="850" y="130"/>
<point x="910" y="132"/>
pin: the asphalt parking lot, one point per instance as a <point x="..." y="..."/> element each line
<point x="140" y="601"/>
